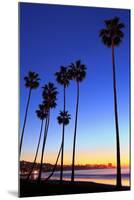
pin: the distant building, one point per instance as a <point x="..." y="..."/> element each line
<point x="110" y="165"/>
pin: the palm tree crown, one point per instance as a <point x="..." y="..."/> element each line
<point x="42" y="112"/>
<point x="49" y="95"/>
<point x="62" y="76"/>
<point x="112" y="34"/>
<point x="32" y="80"/>
<point x="77" y="71"/>
<point x="64" y="118"/>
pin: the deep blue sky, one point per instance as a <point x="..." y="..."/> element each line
<point x="51" y="36"/>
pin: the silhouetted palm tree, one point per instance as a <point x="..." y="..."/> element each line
<point x="31" y="82"/>
<point x="62" y="78"/>
<point x="55" y="164"/>
<point x="62" y="118"/>
<point x="112" y="36"/>
<point x="49" y="101"/>
<point x="77" y="72"/>
<point x="41" y="114"/>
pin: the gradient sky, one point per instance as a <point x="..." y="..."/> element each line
<point x="51" y="36"/>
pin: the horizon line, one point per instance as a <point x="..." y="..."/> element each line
<point x="113" y="165"/>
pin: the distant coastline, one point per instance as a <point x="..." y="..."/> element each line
<point x="25" y="166"/>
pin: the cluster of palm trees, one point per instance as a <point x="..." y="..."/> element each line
<point x="75" y="71"/>
<point x="111" y="36"/>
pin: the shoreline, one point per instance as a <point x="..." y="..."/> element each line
<point x="83" y="169"/>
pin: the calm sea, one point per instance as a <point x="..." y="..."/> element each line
<point x="107" y="176"/>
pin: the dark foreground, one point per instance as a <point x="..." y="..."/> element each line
<point x="32" y="188"/>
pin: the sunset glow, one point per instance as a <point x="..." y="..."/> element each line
<point x="83" y="159"/>
<point x="74" y="98"/>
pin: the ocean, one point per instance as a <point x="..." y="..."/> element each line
<point x="106" y="176"/>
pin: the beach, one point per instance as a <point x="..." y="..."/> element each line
<point x="86" y="181"/>
<point x="54" y="187"/>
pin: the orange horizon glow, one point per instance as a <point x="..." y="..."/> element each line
<point x="81" y="159"/>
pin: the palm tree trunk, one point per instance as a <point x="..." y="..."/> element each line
<point x="63" y="132"/>
<point x="24" y="124"/>
<point x="74" y="141"/>
<point x="36" y="154"/>
<point x="118" y="180"/>
<point x="44" y="142"/>
<point x="55" y="164"/>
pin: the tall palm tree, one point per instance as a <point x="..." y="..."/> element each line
<point x="49" y="100"/>
<point x="77" y="72"/>
<point x="112" y="36"/>
<point x="62" y="77"/>
<point x="31" y="82"/>
<point x="62" y="118"/>
<point x="41" y="114"/>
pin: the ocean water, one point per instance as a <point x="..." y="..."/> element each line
<point x="106" y="176"/>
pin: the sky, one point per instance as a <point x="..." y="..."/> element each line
<point x="52" y="36"/>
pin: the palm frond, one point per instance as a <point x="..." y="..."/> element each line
<point x="32" y="80"/>
<point x="62" y="77"/>
<point x="112" y="34"/>
<point x="42" y="112"/>
<point x="77" y="71"/>
<point x="49" y="95"/>
<point x="64" y="117"/>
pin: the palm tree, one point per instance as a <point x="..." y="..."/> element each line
<point x="62" y="118"/>
<point x="112" y="36"/>
<point x="62" y="77"/>
<point x="77" y="72"/>
<point x="41" y="114"/>
<point x="49" y="100"/>
<point x="31" y="82"/>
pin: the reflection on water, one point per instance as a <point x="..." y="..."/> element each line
<point x="34" y="175"/>
<point x="106" y="176"/>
